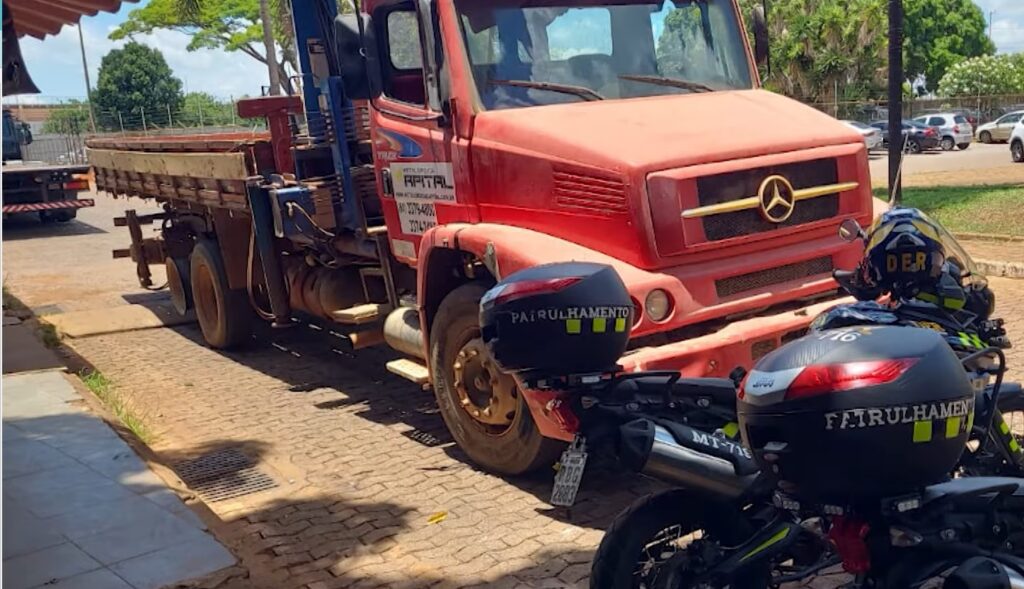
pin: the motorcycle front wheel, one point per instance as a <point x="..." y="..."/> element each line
<point x="668" y="540"/>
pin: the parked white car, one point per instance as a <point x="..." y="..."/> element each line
<point x="1001" y="128"/>
<point x="954" y="129"/>
<point x="872" y="136"/>
<point x="1017" y="142"/>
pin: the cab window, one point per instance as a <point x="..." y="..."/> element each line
<point x="403" y="68"/>
<point x="937" y="121"/>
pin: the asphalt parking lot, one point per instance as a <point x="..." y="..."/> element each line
<point x="978" y="164"/>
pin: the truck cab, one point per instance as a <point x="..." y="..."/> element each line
<point x="441" y="145"/>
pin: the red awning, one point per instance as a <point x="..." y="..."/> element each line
<point x="38" y="18"/>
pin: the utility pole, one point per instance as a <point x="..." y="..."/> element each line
<point x="990" y="13"/>
<point x="85" y="70"/>
<point x="895" y="100"/>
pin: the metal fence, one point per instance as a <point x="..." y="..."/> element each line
<point x="55" y="148"/>
<point x="982" y="108"/>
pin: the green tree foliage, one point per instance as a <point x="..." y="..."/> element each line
<point x="230" y="25"/>
<point x="939" y="34"/>
<point x="985" y="76"/>
<point x="819" y="46"/>
<point x="69" y="119"/>
<point x="200" y="108"/>
<point x="133" y="79"/>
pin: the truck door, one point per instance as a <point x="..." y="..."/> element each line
<point x="412" y="143"/>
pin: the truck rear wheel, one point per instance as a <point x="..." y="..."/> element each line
<point x="482" y="407"/>
<point x="224" y="314"/>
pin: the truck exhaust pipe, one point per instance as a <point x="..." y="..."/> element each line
<point x="402" y="332"/>
<point x="652" y="450"/>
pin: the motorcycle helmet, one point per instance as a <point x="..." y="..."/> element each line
<point x="557" y="320"/>
<point x="904" y="252"/>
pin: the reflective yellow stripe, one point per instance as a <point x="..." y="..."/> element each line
<point x="927" y="297"/>
<point x="1003" y="427"/>
<point x="952" y="427"/>
<point x="970" y="421"/>
<point x="600" y="323"/>
<point x="731" y="429"/>
<point x="620" y="324"/>
<point x="922" y="431"/>
<point x="766" y="544"/>
<point x="953" y="303"/>
<point x="1014" y="446"/>
<point x="572" y="326"/>
<point x="977" y="340"/>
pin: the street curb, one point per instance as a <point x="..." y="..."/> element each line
<point x="987" y="236"/>
<point x="1000" y="268"/>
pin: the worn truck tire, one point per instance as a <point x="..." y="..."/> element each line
<point x="515" y="448"/>
<point x="224" y="315"/>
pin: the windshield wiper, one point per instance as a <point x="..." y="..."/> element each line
<point x="674" y="82"/>
<point x="581" y="91"/>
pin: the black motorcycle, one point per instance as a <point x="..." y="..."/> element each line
<point x="733" y="526"/>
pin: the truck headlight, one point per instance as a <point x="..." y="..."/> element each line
<point x="658" y="305"/>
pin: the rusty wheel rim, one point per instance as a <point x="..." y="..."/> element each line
<point x="205" y="298"/>
<point x="489" y="396"/>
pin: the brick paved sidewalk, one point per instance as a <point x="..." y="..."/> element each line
<point x="372" y="492"/>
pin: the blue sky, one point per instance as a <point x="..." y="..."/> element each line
<point x="55" y="64"/>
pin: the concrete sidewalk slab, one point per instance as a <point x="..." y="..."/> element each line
<point x="116" y="319"/>
<point x="81" y="510"/>
<point x="23" y="352"/>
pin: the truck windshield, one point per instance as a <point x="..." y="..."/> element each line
<point x="535" y="52"/>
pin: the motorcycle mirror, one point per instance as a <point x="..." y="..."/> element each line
<point x="850" y="230"/>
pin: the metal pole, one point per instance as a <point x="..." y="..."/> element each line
<point x="142" y="110"/>
<point x="231" y="104"/>
<point x="895" y="99"/>
<point x="170" y="120"/>
<point x="199" y="105"/>
<point x="120" y="121"/>
<point x="85" y="70"/>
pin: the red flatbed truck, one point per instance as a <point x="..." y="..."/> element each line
<point x="440" y="145"/>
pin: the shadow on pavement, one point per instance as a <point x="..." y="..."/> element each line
<point x="308" y="361"/>
<point x="28" y="226"/>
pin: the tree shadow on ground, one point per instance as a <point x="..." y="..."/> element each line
<point x="357" y="382"/>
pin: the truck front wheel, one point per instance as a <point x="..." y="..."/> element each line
<point x="483" y="407"/>
<point x="224" y="315"/>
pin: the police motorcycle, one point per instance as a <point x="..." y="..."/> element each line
<point x="740" y="533"/>
<point x="914" y="273"/>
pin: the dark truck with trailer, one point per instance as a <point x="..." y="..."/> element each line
<point x="38" y="187"/>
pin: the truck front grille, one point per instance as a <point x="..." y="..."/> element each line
<point x="734" y="285"/>
<point x="731" y="186"/>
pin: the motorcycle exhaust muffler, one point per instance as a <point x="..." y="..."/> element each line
<point x="981" y="572"/>
<point x="652" y="450"/>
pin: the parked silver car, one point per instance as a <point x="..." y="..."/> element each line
<point x="954" y="129"/>
<point x="872" y="136"/>
<point x="999" y="129"/>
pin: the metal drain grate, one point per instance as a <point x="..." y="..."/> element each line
<point x="223" y="474"/>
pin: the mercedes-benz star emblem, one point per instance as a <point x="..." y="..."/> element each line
<point x="776" y="194"/>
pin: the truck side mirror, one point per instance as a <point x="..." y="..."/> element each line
<point x="760" y="35"/>
<point x="357" y="52"/>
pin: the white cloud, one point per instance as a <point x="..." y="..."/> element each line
<point x="56" y="64"/>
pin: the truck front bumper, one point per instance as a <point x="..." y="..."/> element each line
<point x="739" y="343"/>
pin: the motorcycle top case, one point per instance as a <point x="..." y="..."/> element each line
<point x="863" y="412"/>
<point x="557" y="320"/>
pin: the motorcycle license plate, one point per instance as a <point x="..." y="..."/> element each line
<point x="570" y="474"/>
